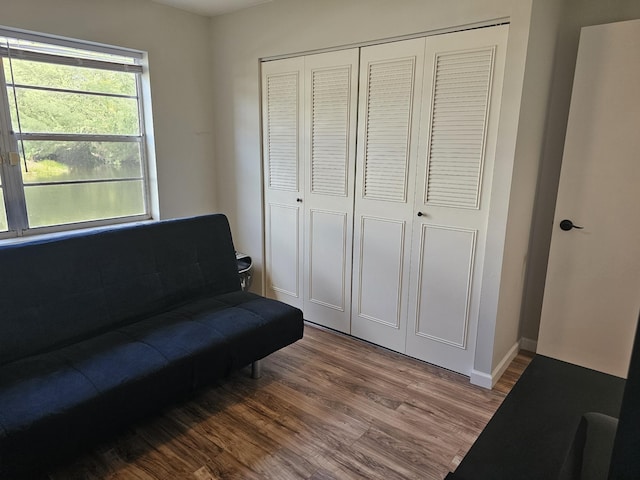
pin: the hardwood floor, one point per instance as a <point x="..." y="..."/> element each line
<point x="512" y="374"/>
<point x="327" y="407"/>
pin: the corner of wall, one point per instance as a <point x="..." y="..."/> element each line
<point x="488" y="339"/>
<point x="537" y="81"/>
<point x="529" y="344"/>
<point x="484" y="380"/>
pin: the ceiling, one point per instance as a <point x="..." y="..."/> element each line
<point x="211" y="7"/>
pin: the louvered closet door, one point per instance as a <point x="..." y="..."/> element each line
<point x="463" y="86"/>
<point x="390" y="86"/>
<point x="331" y="86"/>
<point x="283" y="124"/>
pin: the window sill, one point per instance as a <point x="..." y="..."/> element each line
<point x="59" y="231"/>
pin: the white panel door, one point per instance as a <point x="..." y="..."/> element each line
<point x="331" y="86"/>
<point x="462" y="92"/>
<point x="591" y="296"/>
<point x="283" y="124"/>
<point x="389" y="104"/>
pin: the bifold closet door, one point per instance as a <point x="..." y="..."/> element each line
<point x="283" y="124"/>
<point x="309" y="133"/>
<point x="462" y="92"/>
<point x="408" y="211"/>
<point x="389" y="104"/>
<point x="330" y="112"/>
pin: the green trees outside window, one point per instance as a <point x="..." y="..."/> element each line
<point x="79" y="133"/>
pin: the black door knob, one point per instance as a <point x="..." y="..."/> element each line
<point x="567" y="225"/>
<point x="420" y="214"/>
<point x="299" y="200"/>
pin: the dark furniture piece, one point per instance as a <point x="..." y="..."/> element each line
<point x="560" y="421"/>
<point x="625" y="459"/>
<point x="101" y="328"/>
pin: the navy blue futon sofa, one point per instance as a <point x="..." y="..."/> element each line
<point x="101" y="328"/>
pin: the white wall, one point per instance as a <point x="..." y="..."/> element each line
<point x="282" y="27"/>
<point x="180" y="73"/>
<point x="545" y="22"/>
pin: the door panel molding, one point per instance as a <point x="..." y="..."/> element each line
<point x="332" y="275"/>
<point x="381" y="271"/>
<point x="284" y="261"/>
<point x="434" y="296"/>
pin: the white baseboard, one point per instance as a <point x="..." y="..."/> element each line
<point x="488" y="381"/>
<point x="481" y="379"/>
<point x="528" y="344"/>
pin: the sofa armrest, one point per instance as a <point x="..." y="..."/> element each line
<point x="590" y="453"/>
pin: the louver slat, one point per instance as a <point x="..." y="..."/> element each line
<point x="458" y="125"/>
<point x="330" y="127"/>
<point x="282" y="131"/>
<point x="388" y="129"/>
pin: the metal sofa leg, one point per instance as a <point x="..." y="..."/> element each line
<point x="256" y="369"/>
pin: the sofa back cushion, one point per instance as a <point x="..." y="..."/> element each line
<point x="60" y="291"/>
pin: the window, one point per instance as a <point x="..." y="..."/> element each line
<point x="71" y="135"/>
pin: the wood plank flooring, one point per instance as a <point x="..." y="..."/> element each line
<point x="327" y="407"/>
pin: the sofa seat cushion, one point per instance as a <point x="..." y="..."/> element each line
<point x="175" y="335"/>
<point x="54" y="404"/>
<point x="221" y="333"/>
<point x="274" y="324"/>
<point x="39" y="386"/>
<point x="164" y="356"/>
<point x="113" y="359"/>
<point x="82" y="377"/>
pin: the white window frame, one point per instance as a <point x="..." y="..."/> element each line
<point x="12" y="184"/>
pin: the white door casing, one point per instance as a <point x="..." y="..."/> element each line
<point x="591" y="297"/>
<point x="462" y="95"/>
